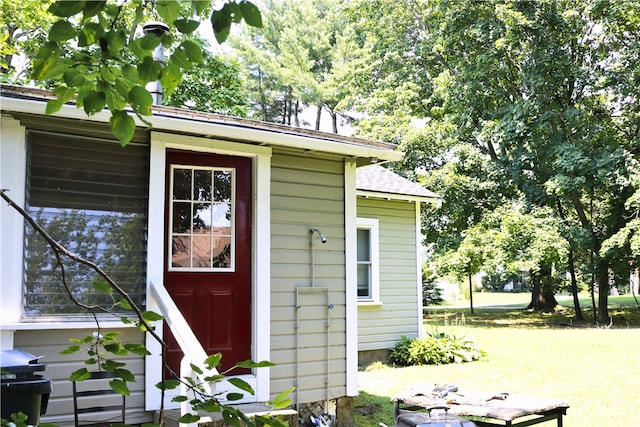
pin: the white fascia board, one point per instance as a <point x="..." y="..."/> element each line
<point x="254" y="135"/>
<point x="394" y="196"/>
<point x="232" y="131"/>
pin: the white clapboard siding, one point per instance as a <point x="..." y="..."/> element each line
<point x="49" y="343"/>
<point x="381" y="326"/>
<point x="307" y="193"/>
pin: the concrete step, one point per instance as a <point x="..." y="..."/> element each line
<point x="250" y="409"/>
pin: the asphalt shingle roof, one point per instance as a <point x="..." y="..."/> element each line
<point x="381" y="180"/>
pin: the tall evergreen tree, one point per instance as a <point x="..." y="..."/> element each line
<point x="290" y="60"/>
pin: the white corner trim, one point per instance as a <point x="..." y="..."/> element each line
<point x="13" y="164"/>
<point x="261" y="309"/>
<point x="419" y="262"/>
<point x="351" y="276"/>
<point x="155" y="266"/>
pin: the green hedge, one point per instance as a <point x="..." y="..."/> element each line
<point x="434" y="349"/>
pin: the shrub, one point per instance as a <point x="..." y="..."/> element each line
<point x="434" y="349"/>
<point x="401" y="353"/>
<point x="431" y="292"/>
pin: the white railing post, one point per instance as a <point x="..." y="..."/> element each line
<point x="186" y="371"/>
<point x="187" y="341"/>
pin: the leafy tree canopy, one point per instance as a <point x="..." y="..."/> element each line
<point x="216" y="86"/>
<point x="23" y="28"/>
<point x="97" y="52"/>
<point x="543" y="92"/>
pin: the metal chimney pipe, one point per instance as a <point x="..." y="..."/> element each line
<point x="159" y="29"/>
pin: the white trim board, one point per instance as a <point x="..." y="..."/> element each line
<point x="261" y="283"/>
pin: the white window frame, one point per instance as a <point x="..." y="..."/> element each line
<point x="372" y="224"/>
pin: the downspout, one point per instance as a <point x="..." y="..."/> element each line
<point x="159" y="29"/>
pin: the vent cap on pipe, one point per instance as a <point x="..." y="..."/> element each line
<point x="159" y="29"/>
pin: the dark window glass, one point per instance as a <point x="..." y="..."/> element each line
<point x="91" y="196"/>
<point x="364" y="263"/>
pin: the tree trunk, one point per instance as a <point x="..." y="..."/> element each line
<point x="541" y="299"/>
<point x="634" y="280"/>
<point x="9" y="41"/>
<point x="318" y="116"/>
<point x="574" y="288"/>
<point x="592" y="288"/>
<point x="542" y="296"/>
<point x="8" y="58"/>
<point x="334" y="121"/>
<point x="602" y="276"/>
<point x="470" y="293"/>
<point x="263" y="98"/>
<point x="286" y="110"/>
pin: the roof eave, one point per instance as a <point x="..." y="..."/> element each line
<point x="180" y="121"/>
<point x="436" y="200"/>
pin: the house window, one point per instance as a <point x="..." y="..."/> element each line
<point x="368" y="260"/>
<point x="90" y="195"/>
<point x="202" y="218"/>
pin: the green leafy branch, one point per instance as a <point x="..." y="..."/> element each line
<point x="20" y="419"/>
<point x="96" y="54"/>
<point x="109" y="285"/>
<point x="202" y="401"/>
<point x="99" y="347"/>
<point x="103" y="348"/>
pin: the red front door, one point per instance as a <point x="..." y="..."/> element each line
<point x="208" y="251"/>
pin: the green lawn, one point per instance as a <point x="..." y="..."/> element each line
<point x="595" y="370"/>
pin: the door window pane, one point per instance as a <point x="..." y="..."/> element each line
<point x="201" y="217"/>
<point x="181" y="251"/>
<point x="222" y="186"/>
<point x="182" y="184"/>
<point x="222" y="217"/>
<point x="181" y="217"/>
<point x="222" y="252"/>
<point x="202" y="185"/>
<point x="202" y="229"/>
<point x="201" y="255"/>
